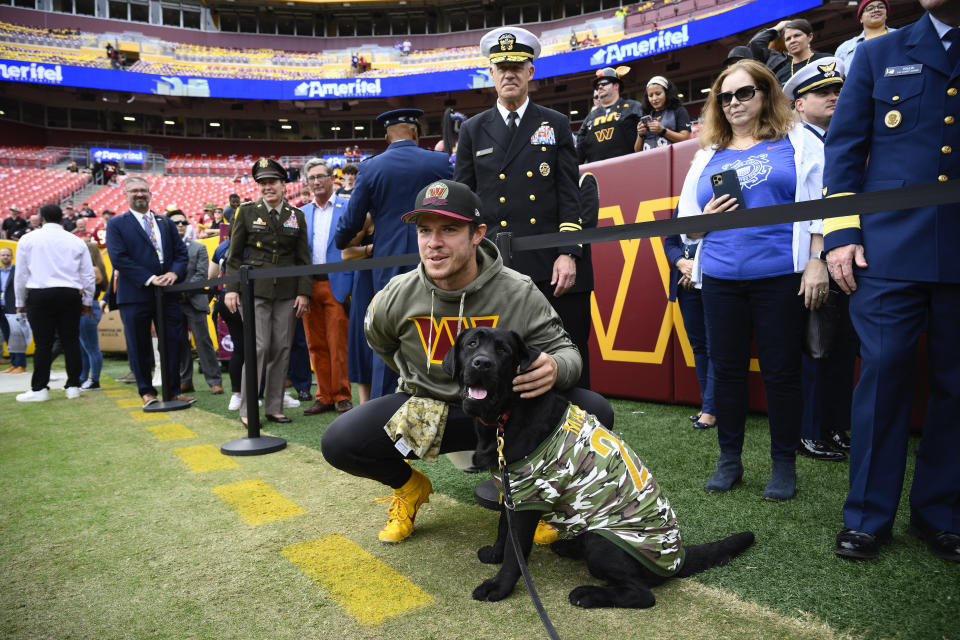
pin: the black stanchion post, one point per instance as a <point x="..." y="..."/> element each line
<point x="504" y="243"/>
<point x="486" y="494"/>
<point x="253" y="444"/>
<point x="166" y="404"/>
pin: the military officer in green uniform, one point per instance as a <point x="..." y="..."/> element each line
<point x="270" y="233"/>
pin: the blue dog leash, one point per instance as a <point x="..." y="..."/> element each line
<point x="508" y="510"/>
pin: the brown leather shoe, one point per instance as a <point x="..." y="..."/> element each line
<point x="148" y="399"/>
<point x="186" y="388"/>
<point x="318" y="407"/>
<point x="343" y="406"/>
<point x="183" y="398"/>
<point x="216" y="389"/>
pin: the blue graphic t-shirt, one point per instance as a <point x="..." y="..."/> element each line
<point x="768" y="176"/>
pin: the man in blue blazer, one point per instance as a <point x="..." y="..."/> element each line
<point x="326" y="322"/>
<point x="901" y="100"/>
<point x="147" y="252"/>
<point x="387" y="187"/>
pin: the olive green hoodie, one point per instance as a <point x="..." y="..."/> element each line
<point x="411" y="318"/>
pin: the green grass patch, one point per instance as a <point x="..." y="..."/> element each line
<point x="107" y="534"/>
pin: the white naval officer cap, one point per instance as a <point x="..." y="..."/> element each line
<point x="818" y="73"/>
<point x="510" y="44"/>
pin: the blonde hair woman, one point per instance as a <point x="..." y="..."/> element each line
<point x="756" y="279"/>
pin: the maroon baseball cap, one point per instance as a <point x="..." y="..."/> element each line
<point x="446" y="198"/>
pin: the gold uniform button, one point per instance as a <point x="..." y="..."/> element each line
<point x="952" y="91"/>
<point x="503" y="223"/>
<point x="949" y="120"/>
<point x="544" y="148"/>
<point x="942" y="178"/>
<point x="502" y="199"/>
<point x="529" y="174"/>
<point x="533" y="197"/>
<point x="946" y="149"/>
<point x="895" y="98"/>
<point x="503" y="177"/>
<point x="259" y="245"/>
<point x="533" y="221"/>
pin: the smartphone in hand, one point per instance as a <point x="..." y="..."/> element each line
<point x="727" y="182"/>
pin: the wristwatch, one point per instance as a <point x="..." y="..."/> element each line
<point x="819" y="255"/>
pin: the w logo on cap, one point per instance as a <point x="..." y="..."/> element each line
<point x="436" y="194"/>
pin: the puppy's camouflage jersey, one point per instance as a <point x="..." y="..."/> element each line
<point x="586" y="479"/>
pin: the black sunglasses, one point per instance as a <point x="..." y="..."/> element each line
<point x="181" y="223"/>
<point x="603" y="83"/>
<point x="743" y="94"/>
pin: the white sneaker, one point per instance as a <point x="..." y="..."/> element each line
<point x="34" y="396"/>
<point x="289" y="402"/>
<point x="72" y="393"/>
<point x="234" y="403"/>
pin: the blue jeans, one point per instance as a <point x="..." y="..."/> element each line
<point x="91" y="358"/>
<point x="691" y="309"/>
<point x="770" y="308"/>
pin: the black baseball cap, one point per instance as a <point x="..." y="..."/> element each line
<point x="446" y="198"/>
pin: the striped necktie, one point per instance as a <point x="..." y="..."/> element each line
<point x="148" y="227"/>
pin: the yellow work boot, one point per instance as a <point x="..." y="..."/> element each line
<point x="545" y="533"/>
<point x="403" y="507"/>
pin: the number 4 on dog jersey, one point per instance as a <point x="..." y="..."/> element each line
<point x="586" y="479"/>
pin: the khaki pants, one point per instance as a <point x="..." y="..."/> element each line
<point x="275" y="322"/>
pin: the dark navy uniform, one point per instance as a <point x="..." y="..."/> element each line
<point x="609" y="132"/>
<point x="527" y="180"/>
<point x="387" y="186"/>
<point x="901" y="100"/>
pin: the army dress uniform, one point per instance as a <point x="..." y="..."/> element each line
<point x="263" y="240"/>
<point x="527" y="181"/>
<point x="901" y="99"/>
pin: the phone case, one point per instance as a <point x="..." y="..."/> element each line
<point x="727" y="182"/>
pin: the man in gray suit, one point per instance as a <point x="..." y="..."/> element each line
<point x="195" y="307"/>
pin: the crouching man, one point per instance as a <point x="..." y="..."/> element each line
<point x="412" y="323"/>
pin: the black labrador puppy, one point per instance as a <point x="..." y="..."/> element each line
<point x="565" y="467"/>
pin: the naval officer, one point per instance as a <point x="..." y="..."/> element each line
<point x="387" y="187"/>
<point x="519" y="158"/>
<point x="270" y="233"/>
<point x="901" y="100"/>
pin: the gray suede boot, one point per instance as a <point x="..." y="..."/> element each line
<point x="729" y="472"/>
<point x="783" y="481"/>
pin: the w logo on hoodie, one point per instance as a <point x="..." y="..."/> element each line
<point x="445" y="332"/>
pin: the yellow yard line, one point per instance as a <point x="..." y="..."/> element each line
<point x="143" y="416"/>
<point x="363" y="586"/>
<point x="205" y="457"/>
<point x="257" y="502"/>
<point x="171" y="431"/>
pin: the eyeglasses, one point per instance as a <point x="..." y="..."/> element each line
<point x="319" y="177"/>
<point x="743" y="94"/>
<point x="182" y="223"/>
<point x="876" y="6"/>
<point x="604" y="83"/>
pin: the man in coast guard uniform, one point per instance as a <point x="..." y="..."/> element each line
<point x="520" y="159"/>
<point x="827" y="382"/>
<point x="900" y="108"/>
<point x="387" y="187"/>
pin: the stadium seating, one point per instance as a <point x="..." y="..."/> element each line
<point x="31" y="156"/>
<point x="185" y="193"/>
<point x="29" y="188"/>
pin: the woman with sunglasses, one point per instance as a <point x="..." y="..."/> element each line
<point x="756" y="280"/>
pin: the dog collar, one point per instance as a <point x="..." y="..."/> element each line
<point x="501" y="420"/>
